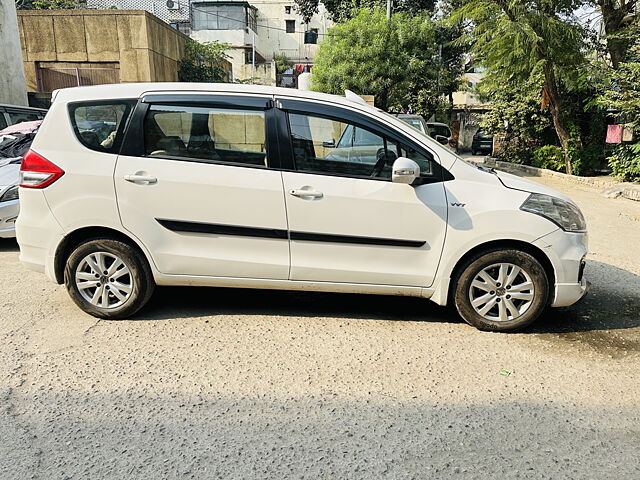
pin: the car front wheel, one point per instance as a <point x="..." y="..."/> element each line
<point x="108" y="278"/>
<point x="501" y="290"/>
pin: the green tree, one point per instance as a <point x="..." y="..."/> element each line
<point x="615" y="20"/>
<point x="622" y="96"/>
<point x="515" y="39"/>
<point x="396" y="60"/>
<point x="282" y="63"/>
<point x="203" y="62"/>
<point x="341" y="10"/>
<point x="50" y="4"/>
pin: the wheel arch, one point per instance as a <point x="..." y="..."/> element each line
<point x="76" y="237"/>
<point x="529" y="248"/>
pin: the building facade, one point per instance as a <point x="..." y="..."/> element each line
<point x="256" y="30"/>
<point x="65" y="48"/>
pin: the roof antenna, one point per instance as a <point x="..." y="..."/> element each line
<point x="349" y="95"/>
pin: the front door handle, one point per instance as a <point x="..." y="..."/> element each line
<point x="305" y="193"/>
<point x="137" y="178"/>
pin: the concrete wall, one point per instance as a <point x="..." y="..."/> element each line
<point x="145" y="48"/>
<point x="12" y="83"/>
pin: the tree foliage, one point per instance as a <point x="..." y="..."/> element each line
<point x="282" y="63"/>
<point x="517" y="39"/>
<point x="50" y="4"/>
<point x="341" y="10"/>
<point x="396" y="60"/>
<point x="622" y="96"/>
<point x="203" y="62"/>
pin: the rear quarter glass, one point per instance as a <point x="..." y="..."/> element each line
<point x="99" y="125"/>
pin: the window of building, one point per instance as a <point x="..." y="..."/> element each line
<point x="100" y="125"/>
<point x="290" y="26"/>
<point x="225" y="16"/>
<point x="287" y="9"/>
<point x="205" y="134"/>
<point x="329" y="146"/>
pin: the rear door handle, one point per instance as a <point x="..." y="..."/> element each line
<point x="306" y="193"/>
<point x="140" y="179"/>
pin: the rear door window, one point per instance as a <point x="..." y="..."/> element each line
<point x="100" y="125"/>
<point x="206" y="134"/>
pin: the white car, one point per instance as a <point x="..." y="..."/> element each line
<point x="236" y="186"/>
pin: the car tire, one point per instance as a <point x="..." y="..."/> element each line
<point x="483" y="300"/>
<point x="474" y="152"/>
<point x="108" y="278"/>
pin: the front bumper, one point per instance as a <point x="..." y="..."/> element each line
<point x="8" y="214"/>
<point x="567" y="252"/>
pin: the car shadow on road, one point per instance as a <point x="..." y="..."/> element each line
<point x="613" y="303"/>
<point x="9" y="245"/>
<point x="172" y="302"/>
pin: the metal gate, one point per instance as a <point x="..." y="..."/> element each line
<point x="52" y="78"/>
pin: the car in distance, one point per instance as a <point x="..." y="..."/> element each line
<point x="238" y="186"/>
<point x="482" y="143"/>
<point x="12" y="114"/>
<point x="440" y="131"/>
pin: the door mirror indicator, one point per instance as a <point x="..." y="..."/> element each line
<point x="404" y="170"/>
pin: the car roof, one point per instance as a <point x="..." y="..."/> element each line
<point x="135" y="90"/>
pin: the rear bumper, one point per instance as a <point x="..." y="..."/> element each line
<point x="8" y="214"/>
<point x="567" y="252"/>
<point x="38" y="233"/>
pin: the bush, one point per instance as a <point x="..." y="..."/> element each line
<point x="625" y="162"/>
<point x="550" y="157"/>
<point x="516" y="150"/>
<point x="587" y="159"/>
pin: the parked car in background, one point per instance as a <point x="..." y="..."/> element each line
<point x="482" y="143"/>
<point x="15" y="140"/>
<point x="440" y="131"/>
<point x="9" y="203"/>
<point x="12" y="114"/>
<point x="238" y="185"/>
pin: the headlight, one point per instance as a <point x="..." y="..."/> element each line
<point x="564" y="214"/>
<point x="10" y="194"/>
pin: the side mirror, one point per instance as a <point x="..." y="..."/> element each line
<point x="404" y="170"/>
<point x="329" y="143"/>
<point x="441" y="139"/>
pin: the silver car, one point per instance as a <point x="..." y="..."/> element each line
<point x="9" y="204"/>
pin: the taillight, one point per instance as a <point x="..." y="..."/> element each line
<point x="38" y="172"/>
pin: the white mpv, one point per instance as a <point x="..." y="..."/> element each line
<point x="135" y="185"/>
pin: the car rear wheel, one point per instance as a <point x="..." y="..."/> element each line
<point x="108" y="278"/>
<point x="501" y="290"/>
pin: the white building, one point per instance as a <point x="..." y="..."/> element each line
<point x="266" y="27"/>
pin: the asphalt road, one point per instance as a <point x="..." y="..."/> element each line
<point x="241" y="384"/>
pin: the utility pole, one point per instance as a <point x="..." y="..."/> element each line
<point x="253" y="55"/>
<point x="388" y="9"/>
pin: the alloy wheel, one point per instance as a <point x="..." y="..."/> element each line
<point x="501" y="292"/>
<point x="104" y="280"/>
